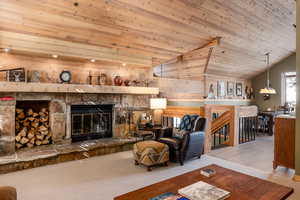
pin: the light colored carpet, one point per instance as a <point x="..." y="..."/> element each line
<point x="104" y="177"/>
<point x="258" y="154"/>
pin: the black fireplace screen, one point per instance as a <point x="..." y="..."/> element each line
<point x="91" y="122"/>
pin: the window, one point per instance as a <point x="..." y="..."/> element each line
<point x="176" y="122"/>
<point x="289" y="88"/>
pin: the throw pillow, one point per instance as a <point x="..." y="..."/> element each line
<point x="180" y="133"/>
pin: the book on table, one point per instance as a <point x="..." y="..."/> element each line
<point x="203" y="191"/>
<point x="207" y="172"/>
<point x="169" y="196"/>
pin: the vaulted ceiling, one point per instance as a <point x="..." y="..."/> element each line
<point x="141" y="31"/>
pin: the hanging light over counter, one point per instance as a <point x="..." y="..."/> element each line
<point x="268" y="89"/>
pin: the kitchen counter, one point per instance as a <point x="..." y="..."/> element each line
<point x="284" y="140"/>
<point x="286" y="116"/>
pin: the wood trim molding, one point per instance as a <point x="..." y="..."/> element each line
<point x="180" y="111"/>
<point x="74" y="88"/>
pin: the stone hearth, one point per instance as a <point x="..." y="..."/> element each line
<point x="57" y="153"/>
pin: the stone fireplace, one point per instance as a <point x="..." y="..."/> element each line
<point x="72" y="116"/>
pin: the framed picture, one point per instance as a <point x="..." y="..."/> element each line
<point x="239" y="89"/>
<point x="221" y="89"/>
<point x="230" y="88"/>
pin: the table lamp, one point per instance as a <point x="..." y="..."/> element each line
<point x="157" y="105"/>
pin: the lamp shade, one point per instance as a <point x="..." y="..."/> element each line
<point x="158" y="103"/>
<point x="267" y="90"/>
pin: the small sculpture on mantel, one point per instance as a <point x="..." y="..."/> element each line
<point x="118" y="81"/>
<point x="127" y="82"/>
<point x="135" y="83"/>
<point x="103" y="79"/>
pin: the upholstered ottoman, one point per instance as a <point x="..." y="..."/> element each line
<point x="150" y="153"/>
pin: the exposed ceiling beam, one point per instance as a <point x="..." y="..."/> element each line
<point x="208" y="59"/>
<point x="211" y="44"/>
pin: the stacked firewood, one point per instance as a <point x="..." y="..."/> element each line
<point x="32" y="128"/>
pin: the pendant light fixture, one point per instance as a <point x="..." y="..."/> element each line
<point x="268" y="89"/>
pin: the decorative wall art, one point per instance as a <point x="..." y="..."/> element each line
<point x="211" y="93"/>
<point x="35" y="76"/>
<point x="230" y="88"/>
<point x="221" y="89"/>
<point x="15" y="75"/>
<point x="239" y="89"/>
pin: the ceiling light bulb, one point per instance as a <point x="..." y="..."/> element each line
<point x="124" y="64"/>
<point x="6" y="50"/>
<point x="55" y="56"/>
<point x="93" y="60"/>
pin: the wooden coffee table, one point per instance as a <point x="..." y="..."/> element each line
<point x="241" y="186"/>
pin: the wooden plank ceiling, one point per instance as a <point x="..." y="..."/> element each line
<point x="141" y="31"/>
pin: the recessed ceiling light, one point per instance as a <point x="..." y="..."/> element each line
<point x="93" y="60"/>
<point x="6" y="50"/>
<point x="124" y="64"/>
<point x="55" y="56"/>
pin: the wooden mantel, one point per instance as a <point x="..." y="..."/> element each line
<point x="73" y="88"/>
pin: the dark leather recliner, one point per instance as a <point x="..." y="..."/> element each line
<point x="189" y="143"/>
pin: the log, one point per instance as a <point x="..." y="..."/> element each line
<point x="43" y="128"/>
<point x="32" y="141"/>
<point x="29" y="112"/>
<point x="26" y="123"/>
<point x="44" y="110"/>
<point x="24" y="140"/>
<point x="21" y="115"/>
<point x="23" y="132"/>
<point x="44" y="132"/>
<point x="44" y="119"/>
<point x="18" y="145"/>
<point x="49" y="135"/>
<point x="30" y="134"/>
<point x="18" y="138"/>
<point x="31" y="119"/>
<point x="42" y="114"/>
<point x="35" y="124"/>
<point x="39" y="137"/>
<point x="38" y="142"/>
<point x="18" y="126"/>
<point x="19" y="110"/>
<point x="35" y="114"/>
<point x="45" y="141"/>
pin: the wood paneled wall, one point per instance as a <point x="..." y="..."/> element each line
<point x="50" y="68"/>
<point x="182" y="89"/>
<point x="179" y="88"/>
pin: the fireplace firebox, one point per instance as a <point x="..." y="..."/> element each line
<point x="91" y="122"/>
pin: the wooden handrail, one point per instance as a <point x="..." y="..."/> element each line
<point x="221" y="121"/>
